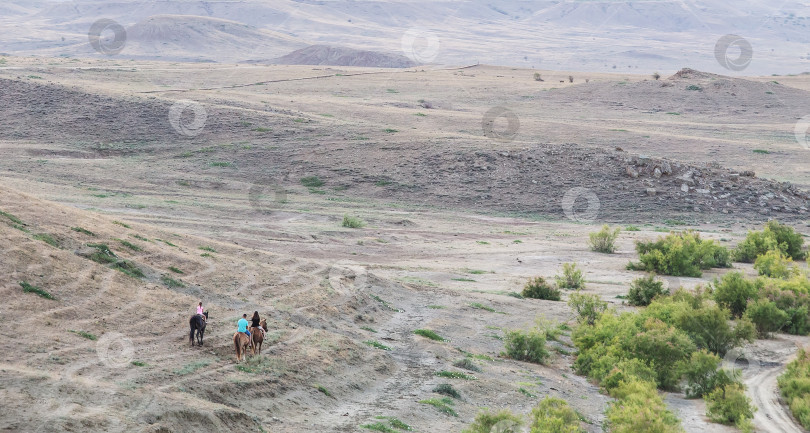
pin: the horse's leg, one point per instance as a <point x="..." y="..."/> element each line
<point x="191" y="336"/>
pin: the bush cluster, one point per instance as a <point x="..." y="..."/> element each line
<point x="528" y="345"/>
<point x="588" y="307"/>
<point x="604" y="241"/>
<point x="773" y="237"/>
<point x="538" y="288"/>
<point x="677" y="337"/>
<point x="571" y="277"/>
<point x="551" y="415"/>
<point x="680" y="254"/>
<point x="643" y="290"/>
<point x="794" y="384"/>
<point x="774" y="264"/>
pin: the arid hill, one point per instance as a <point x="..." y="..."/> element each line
<point x="341" y="56"/>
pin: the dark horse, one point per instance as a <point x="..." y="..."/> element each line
<point x="197" y="323"/>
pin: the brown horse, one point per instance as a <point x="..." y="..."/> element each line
<point x="258" y="337"/>
<point x="241" y="342"/>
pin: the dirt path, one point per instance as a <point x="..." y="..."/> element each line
<point x="770" y="358"/>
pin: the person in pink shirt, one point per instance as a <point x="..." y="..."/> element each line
<point x="200" y="310"/>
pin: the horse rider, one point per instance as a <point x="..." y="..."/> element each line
<point x="201" y="310"/>
<point x="242" y="325"/>
<point x="255" y="322"/>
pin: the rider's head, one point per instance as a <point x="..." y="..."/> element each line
<point x="244" y="316"/>
<point x="200" y="303"/>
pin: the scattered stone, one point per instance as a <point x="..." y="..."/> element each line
<point x="657" y="173"/>
<point x="702" y="191"/>
<point x="632" y="172"/>
<point x="651" y="191"/>
<point x="684" y="187"/>
<point x="666" y="168"/>
<point x="748" y="173"/>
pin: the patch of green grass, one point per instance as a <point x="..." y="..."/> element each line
<point x="448" y="390"/>
<point x="436" y="307"/>
<point x="206" y="255"/>
<point x="322" y="389"/>
<point x="27" y="288"/>
<point x="207" y="248"/>
<point x="83" y="231"/>
<point x="262" y="129"/>
<point x="103" y="254"/>
<point x="299" y="120"/>
<point x="167" y="243"/>
<point x="383" y="183"/>
<point x="482" y="242"/>
<point x="385" y="303"/>
<point x="427" y="333"/>
<point x="526" y="392"/>
<point x="515" y="295"/>
<point x="86" y="335"/>
<point x="11" y="217"/>
<point x="674" y="113"/>
<point x="378" y="426"/>
<point x="369" y="329"/>
<point x="48" y="239"/>
<point x="762" y="151"/>
<point x="193" y="366"/>
<point x="121" y="224"/>
<point x="130" y="245"/>
<point x="390" y="130"/>
<point x="128" y="268"/>
<point x="352" y="222"/>
<point x="171" y="282"/>
<point x="442" y="404"/>
<point x="694" y="87"/>
<point x="376" y="344"/>
<point x="632" y="228"/>
<point x="468" y="280"/>
<point x="175" y="270"/>
<point x="454" y="375"/>
<point x="517" y="241"/>
<point x="420" y="115"/>
<point x="467" y="364"/>
<point x="219" y="164"/>
<point x="479" y="306"/>
<point x="312" y="182"/>
<point x="260" y="364"/>
<point x="400" y="425"/>
<point x="391" y="91"/>
<point x="139" y="363"/>
<point x="474" y="271"/>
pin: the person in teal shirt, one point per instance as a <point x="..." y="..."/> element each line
<point x="242" y="325"/>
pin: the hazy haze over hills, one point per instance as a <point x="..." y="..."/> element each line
<point x="577" y="35"/>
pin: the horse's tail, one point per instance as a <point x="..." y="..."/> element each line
<point x="191" y="332"/>
<point x="236" y="344"/>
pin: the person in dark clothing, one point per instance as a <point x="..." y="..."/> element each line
<point x="255" y="322"/>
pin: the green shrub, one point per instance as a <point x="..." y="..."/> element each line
<point x="709" y="328"/>
<point x="447" y="389"/>
<point x="312" y="182"/>
<point x="733" y="291"/>
<point x="47" y="238"/>
<point x="774" y="264"/>
<point x="794" y="385"/>
<point x="527" y="345"/>
<point x="485" y="421"/>
<point x="454" y="375"/>
<point x="627" y="370"/>
<point x="663" y="347"/>
<point x="442" y="404"/>
<point x="604" y="241"/>
<point x="571" y="277"/>
<point x="680" y="254"/>
<point x="553" y="415"/>
<point x="766" y="316"/>
<point x="28" y="288"/>
<point x="729" y="405"/>
<point x="773" y="237"/>
<point x="703" y="374"/>
<point x="587" y="306"/>
<point x="467" y="364"/>
<point x="643" y="290"/>
<point x="538" y="288"/>
<point x="639" y="408"/>
<point x="352" y="222"/>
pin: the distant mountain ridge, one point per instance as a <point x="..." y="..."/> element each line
<point x="341" y="56"/>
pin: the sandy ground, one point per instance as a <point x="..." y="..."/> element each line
<point x="282" y="251"/>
